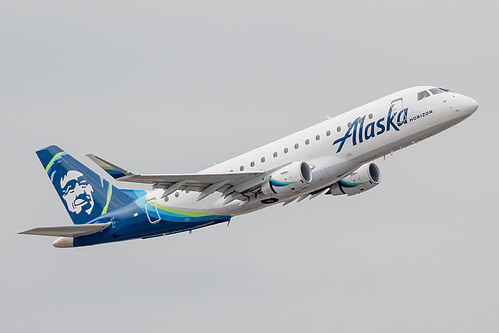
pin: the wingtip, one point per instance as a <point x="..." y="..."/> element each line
<point x="112" y="169"/>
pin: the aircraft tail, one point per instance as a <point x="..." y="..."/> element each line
<point x="85" y="194"/>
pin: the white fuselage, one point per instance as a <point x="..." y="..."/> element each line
<point x="336" y="147"/>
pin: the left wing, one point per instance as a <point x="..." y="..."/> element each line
<point x="233" y="185"/>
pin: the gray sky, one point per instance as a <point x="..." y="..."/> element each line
<point x="171" y="87"/>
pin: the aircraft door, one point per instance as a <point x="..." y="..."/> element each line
<point x="152" y="211"/>
<point x="397" y="105"/>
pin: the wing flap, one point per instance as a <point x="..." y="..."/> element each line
<point x="236" y="184"/>
<point x="67" y="231"/>
<point x="166" y="180"/>
<point x="192" y="179"/>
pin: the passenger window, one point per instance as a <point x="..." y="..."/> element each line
<point x="262" y="159"/>
<point x="370" y="116"/>
<point x="307" y="141"/>
<point x="252" y="164"/>
<point x="349" y="124"/>
<point x="285" y="150"/>
<point x="328" y="133"/>
<point x="297" y="146"/>
<point x="241" y="167"/>
<point x="317" y="137"/>
<point x="423" y="94"/>
<point x="275" y="154"/>
<point x="338" y="129"/>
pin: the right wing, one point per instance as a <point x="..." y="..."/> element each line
<point x="232" y="185"/>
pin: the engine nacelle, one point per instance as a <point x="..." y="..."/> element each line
<point x="288" y="179"/>
<point x="364" y="178"/>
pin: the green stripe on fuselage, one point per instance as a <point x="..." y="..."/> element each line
<point x="180" y="212"/>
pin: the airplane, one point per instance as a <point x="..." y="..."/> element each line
<point x="334" y="157"/>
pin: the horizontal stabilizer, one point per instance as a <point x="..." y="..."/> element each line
<point x="67" y="231"/>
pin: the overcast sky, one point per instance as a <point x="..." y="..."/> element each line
<point x="171" y="87"/>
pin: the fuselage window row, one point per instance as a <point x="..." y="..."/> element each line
<point x="286" y="150"/>
<point x="296" y="146"/>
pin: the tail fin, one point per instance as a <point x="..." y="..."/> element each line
<point x="84" y="193"/>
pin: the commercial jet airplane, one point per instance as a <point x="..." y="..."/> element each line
<point x="333" y="157"/>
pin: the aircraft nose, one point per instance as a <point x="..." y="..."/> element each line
<point x="468" y="105"/>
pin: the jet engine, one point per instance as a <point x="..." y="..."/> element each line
<point x="288" y="179"/>
<point x="364" y="178"/>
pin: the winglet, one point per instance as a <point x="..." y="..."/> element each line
<point x="113" y="170"/>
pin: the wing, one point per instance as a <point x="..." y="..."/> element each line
<point x="233" y="185"/>
<point x="67" y="231"/>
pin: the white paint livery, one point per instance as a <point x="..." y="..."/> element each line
<point x="383" y="127"/>
<point x="333" y="157"/>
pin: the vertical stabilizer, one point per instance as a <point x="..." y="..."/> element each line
<point x="85" y="194"/>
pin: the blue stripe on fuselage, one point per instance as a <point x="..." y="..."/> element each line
<point x="131" y="222"/>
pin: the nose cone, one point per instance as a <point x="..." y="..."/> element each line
<point x="468" y="105"/>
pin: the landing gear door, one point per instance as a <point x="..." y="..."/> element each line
<point x="152" y="211"/>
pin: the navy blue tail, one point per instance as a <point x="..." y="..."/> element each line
<point x="85" y="194"/>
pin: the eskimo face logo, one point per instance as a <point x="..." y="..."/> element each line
<point x="77" y="192"/>
<point x="359" y="132"/>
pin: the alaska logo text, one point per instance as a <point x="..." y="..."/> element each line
<point x="359" y="133"/>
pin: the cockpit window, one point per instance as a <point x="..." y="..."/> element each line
<point x="435" y="91"/>
<point x="423" y="94"/>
